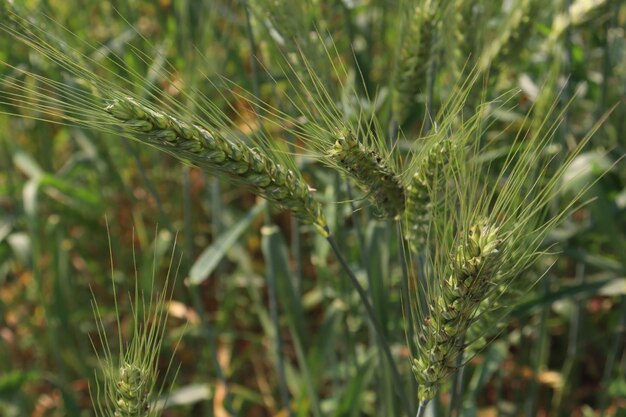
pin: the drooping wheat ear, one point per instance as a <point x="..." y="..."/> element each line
<point x="371" y="171"/>
<point x="453" y="307"/>
<point x="415" y="57"/>
<point x="212" y="151"/>
<point x="419" y="194"/>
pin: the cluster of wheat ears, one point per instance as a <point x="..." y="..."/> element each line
<point x="468" y="227"/>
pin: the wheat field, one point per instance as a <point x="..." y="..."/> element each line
<point x="312" y="208"/>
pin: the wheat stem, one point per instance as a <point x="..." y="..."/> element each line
<point x="382" y="341"/>
<point x="421" y="408"/>
<point x="404" y="261"/>
<point x="270" y="267"/>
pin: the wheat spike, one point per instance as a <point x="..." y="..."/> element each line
<point x="512" y="31"/>
<point x="415" y="57"/>
<point x="133" y="389"/>
<point x="212" y="151"/>
<point x="372" y="173"/>
<point x="470" y="274"/>
<point x="419" y="192"/>
<point x="578" y="12"/>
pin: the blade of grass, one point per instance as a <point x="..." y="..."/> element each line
<point x="377" y="263"/>
<point x="571" y="355"/>
<point x="539" y="355"/>
<point x="209" y="259"/>
<point x="614" y="350"/>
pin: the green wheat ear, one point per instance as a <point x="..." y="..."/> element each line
<point x="126" y="380"/>
<point x="511" y="33"/>
<point x="210" y="141"/>
<point x="424" y="177"/>
<point x="382" y="185"/>
<point x="338" y="130"/>
<point x="422" y="185"/>
<point x="483" y="234"/>
<point x="212" y="151"/>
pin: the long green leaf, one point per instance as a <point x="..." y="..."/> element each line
<point x="211" y="256"/>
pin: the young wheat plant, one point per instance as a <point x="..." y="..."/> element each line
<point x="129" y="376"/>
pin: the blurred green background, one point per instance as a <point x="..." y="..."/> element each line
<point x="297" y="343"/>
